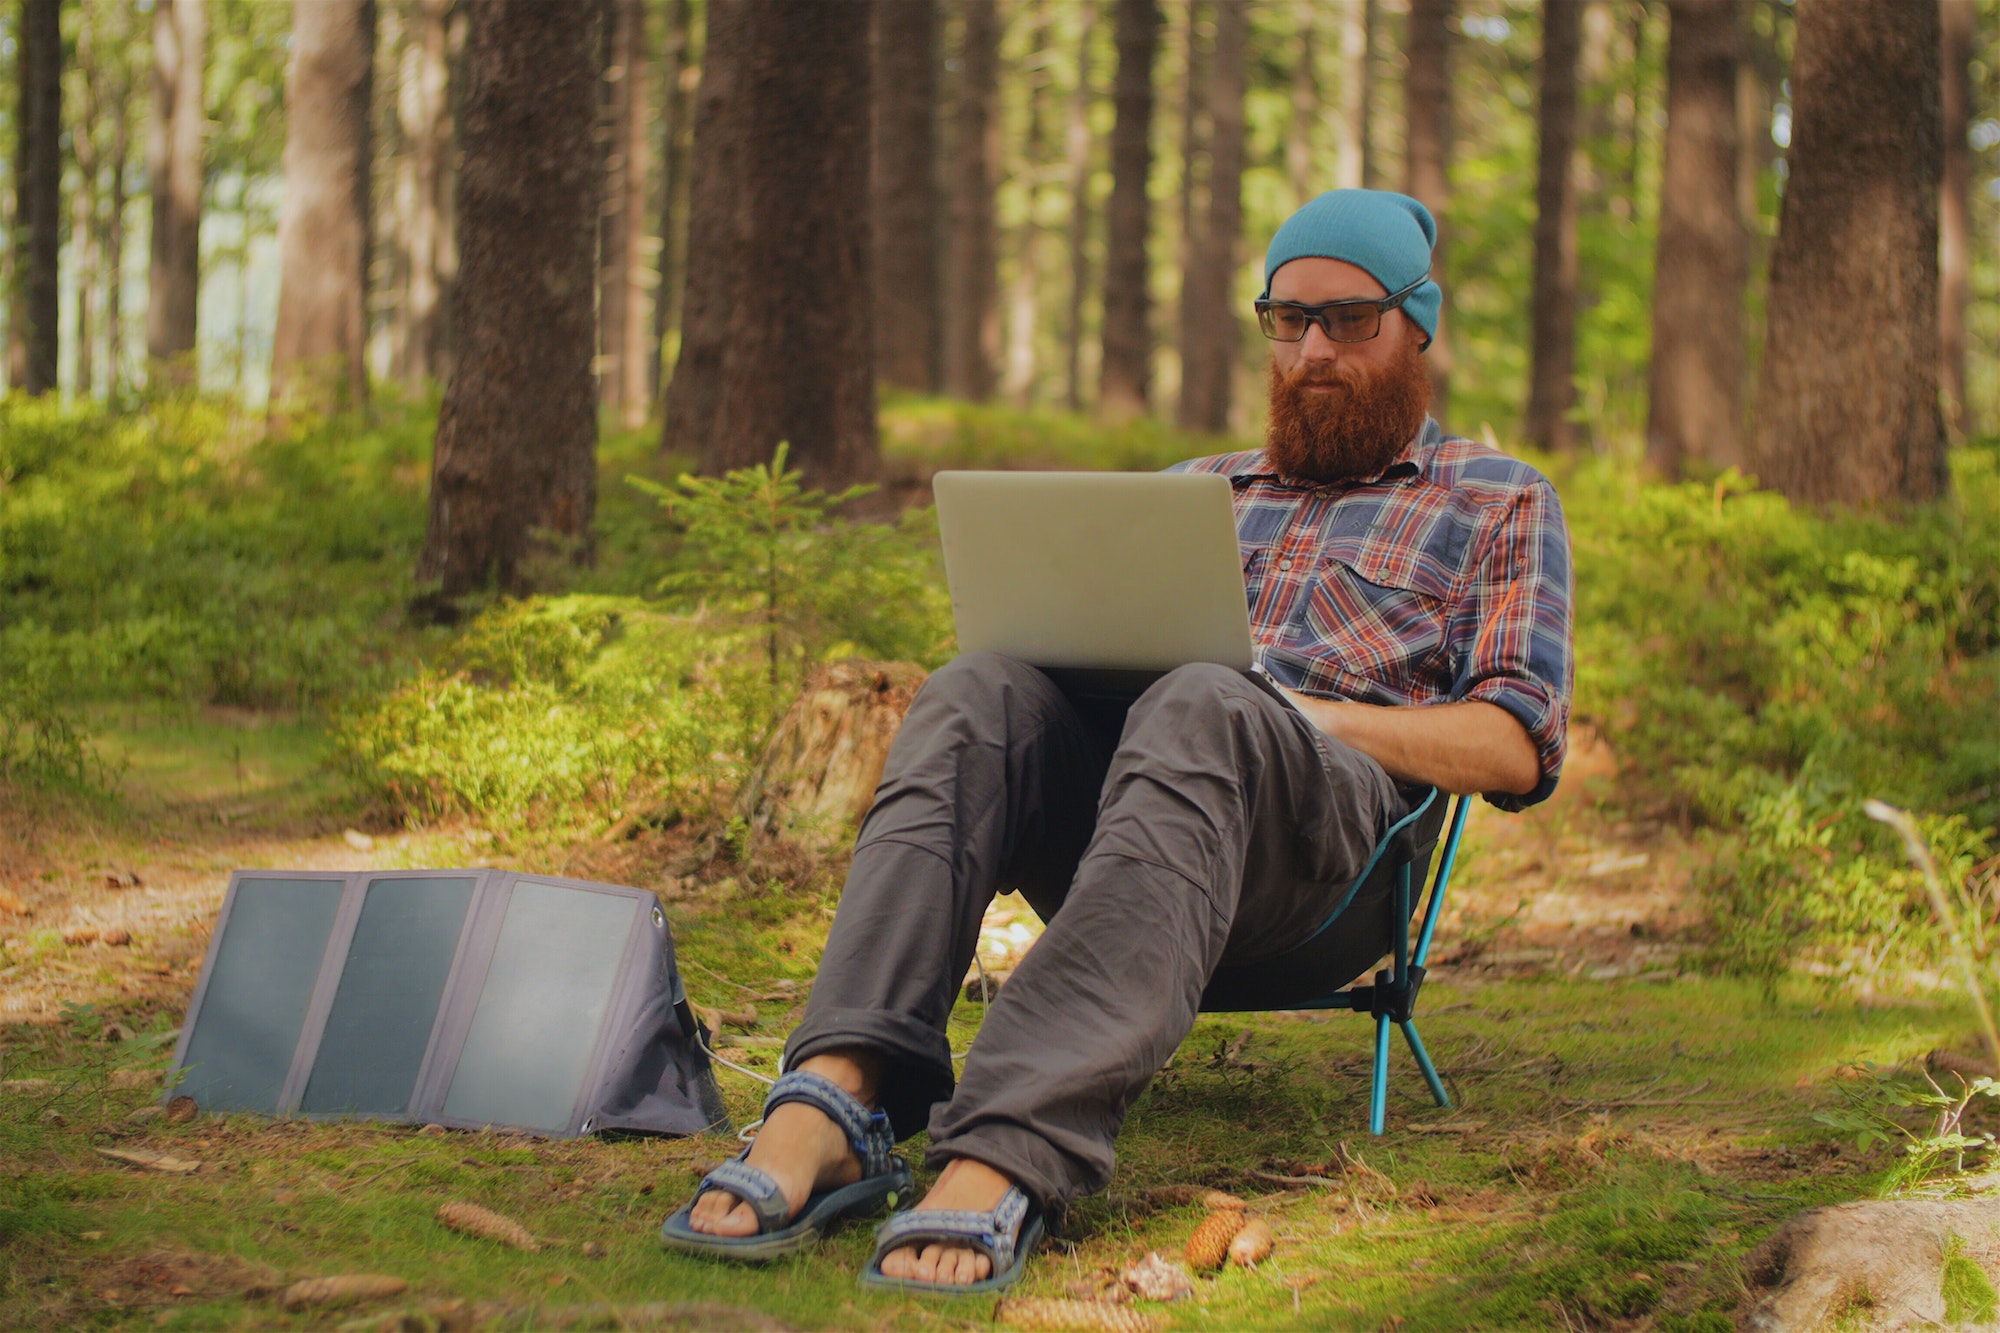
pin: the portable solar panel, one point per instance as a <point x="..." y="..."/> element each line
<point x="471" y="998"/>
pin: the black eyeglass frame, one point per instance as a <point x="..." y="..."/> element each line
<point x="1316" y="314"/>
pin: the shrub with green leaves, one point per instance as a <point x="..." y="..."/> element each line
<point x="556" y="716"/>
<point x="1769" y="669"/>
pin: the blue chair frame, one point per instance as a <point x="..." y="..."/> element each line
<point x="1392" y="996"/>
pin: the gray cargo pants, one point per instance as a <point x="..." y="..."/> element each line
<point x="1209" y="820"/>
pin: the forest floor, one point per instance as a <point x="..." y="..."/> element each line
<point x="1626" y="1126"/>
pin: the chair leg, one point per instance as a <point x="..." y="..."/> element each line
<point x="1424" y="1063"/>
<point x="1378" y="1097"/>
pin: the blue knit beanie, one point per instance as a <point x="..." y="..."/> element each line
<point x="1389" y="235"/>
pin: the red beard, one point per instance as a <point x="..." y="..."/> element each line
<point x="1358" y="429"/>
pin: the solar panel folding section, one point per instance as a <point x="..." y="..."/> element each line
<point x="469" y="998"/>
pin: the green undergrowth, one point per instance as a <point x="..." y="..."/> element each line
<point x="1592" y="1171"/>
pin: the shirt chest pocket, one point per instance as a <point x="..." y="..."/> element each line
<point x="1380" y="618"/>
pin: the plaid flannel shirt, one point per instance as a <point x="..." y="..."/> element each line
<point x="1444" y="577"/>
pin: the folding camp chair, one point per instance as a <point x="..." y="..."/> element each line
<point x="1300" y="977"/>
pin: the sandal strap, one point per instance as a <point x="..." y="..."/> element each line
<point x="868" y="1132"/>
<point x="994" y="1233"/>
<point x="754" y="1187"/>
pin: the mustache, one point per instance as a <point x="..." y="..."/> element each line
<point x="1322" y="374"/>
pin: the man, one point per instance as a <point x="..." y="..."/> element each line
<point x="1409" y="591"/>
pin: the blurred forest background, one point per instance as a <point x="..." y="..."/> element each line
<point x="336" y="329"/>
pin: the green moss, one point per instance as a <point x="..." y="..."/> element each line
<point x="1969" y="1297"/>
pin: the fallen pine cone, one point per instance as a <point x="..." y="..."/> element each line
<point x="1157" y="1278"/>
<point x="1252" y="1245"/>
<point x="347" y="1289"/>
<point x="1209" y="1245"/>
<point x="1177" y="1196"/>
<point x="1055" y="1316"/>
<point x="486" y="1224"/>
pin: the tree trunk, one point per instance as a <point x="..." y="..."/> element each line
<point x="817" y="776"/>
<point x="1024" y="293"/>
<point x="1695" y="408"/>
<point x="174" y="164"/>
<point x="1427" y="115"/>
<point x="1845" y="418"/>
<point x="1125" y="374"/>
<point x="1551" y="386"/>
<point x="715" y="170"/>
<point x="1299" y="161"/>
<point x="1955" y="210"/>
<point x="517" y="434"/>
<point x="318" y="351"/>
<point x="1197" y="52"/>
<point x="675" y="134"/>
<point x="114" y="234"/>
<point x="1209" y="364"/>
<point x="1077" y="145"/>
<point x="38" y="212"/>
<point x="971" y="316"/>
<point x="621" y="304"/>
<point x="424" y="113"/>
<point x="15" y="269"/>
<point x="1357" y="70"/>
<point x="908" y="304"/>
<point x="781" y="157"/>
<point x="83" y="230"/>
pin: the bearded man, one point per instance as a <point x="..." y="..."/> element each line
<point x="1409" y="595"/>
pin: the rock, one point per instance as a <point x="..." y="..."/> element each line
<point x="358" y="840"/>
<point x="1875" y="1266"/>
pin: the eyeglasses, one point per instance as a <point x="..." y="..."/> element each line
<point x="1340" y="321"/>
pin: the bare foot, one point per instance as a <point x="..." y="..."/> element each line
<point x="799" y="1147"/>
<point x="965" y="1184"/>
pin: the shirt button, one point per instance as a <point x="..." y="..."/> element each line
<point x="1284" y="564"/>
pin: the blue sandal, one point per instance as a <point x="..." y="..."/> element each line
<point x="1007" y="1236"/>
<point x="885" y="1178"/>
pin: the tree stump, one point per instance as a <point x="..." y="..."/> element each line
<point x="817" y="776"/>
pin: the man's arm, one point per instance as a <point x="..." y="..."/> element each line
<point x="1460" y="748"/>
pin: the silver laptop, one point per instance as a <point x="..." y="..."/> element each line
<point x="1106" y="579"/>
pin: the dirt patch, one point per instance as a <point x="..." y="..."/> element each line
<point x="163" y="1277"/>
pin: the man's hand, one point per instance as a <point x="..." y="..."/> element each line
<point x="1458" y="748"/>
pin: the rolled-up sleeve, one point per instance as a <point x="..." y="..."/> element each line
<point x="1516" y="619"/>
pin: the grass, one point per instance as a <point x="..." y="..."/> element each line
<point x="1617" y="1147"/>
<point x="1588" y="1173"/>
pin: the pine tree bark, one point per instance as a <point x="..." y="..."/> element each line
<point x="1960" y="22"/>
<point x="517" y="434"/>
<point x="1552" y="350"/>
<point x="715" y="171"/>
<point x="1030" y="168"/>
<point x="1299" y="161"/>
<point x="424" y="114"/>
<point x="621" y="305"/>
<point x="908" y="302"/>
<point x="84" y="231"/>
<point x="1209" y="363"/>
<point x="175" y="164"/>
<point x="1427" y="118"/>
<point x="1695" y="389"/>
<point x="1125" y="376"/>
<point x="1847" y="402"/>
<point x="677" y="68"/>
<point x="318" y="350"/>
<point x="971" y="313"/>
<point x="114" y="233"/>
<point x="13" y="264"/>
<point x="783" y="336"/>
<point x="1197" y="52"/>
<point x="38" y="211"/>
<point x="1078" y="144"/>
<point x="1357" y="71"/>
